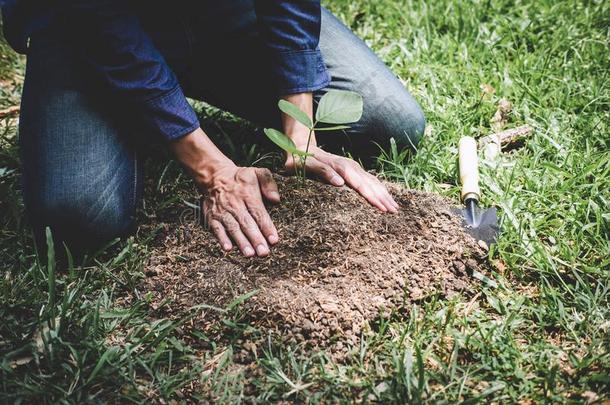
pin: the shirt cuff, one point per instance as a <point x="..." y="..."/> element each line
<point x="299" y="71"/>
<point x="171" y="114"/>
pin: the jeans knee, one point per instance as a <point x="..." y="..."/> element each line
<point x="83" y="221"/>
<point x="403" y="122"/>
<point x="411" y="128"/>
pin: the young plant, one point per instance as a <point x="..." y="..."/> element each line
<point x="336" y="107"/>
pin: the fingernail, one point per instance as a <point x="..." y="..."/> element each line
<point x="262" y="250"/>
<point x="248" y="251"/>
<point x="227" y="247"/>
<point x="273" y="238"/>
<point x="336" y="181"/>
<point x="275" y="195"/>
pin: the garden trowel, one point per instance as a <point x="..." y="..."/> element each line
<point x="480" y="224"/>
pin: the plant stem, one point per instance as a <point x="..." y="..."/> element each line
<point x="307" y="151"/>
<point x="303" y="174"/>
<point x="298" y="161"/>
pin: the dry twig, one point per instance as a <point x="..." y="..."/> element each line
<point x="506" y="137"/>
<point x="9" y="112"/>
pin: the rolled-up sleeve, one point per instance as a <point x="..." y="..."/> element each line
<point x="109" y="36"/>
<point x="291" y="32"/>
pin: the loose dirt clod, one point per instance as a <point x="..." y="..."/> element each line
<point x="340" y="264"/>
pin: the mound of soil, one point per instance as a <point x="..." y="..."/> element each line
<point x="340" y="263"/>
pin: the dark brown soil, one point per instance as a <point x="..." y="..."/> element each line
<point x="339" y="265"/>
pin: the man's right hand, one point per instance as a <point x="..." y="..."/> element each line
<point x="234" y="209"/>
<point x="233" y="196"/>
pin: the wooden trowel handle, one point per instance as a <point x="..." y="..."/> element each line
<point x="469" y="168"/>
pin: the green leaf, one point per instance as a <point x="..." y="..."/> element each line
<point x="334" y="128"/>
<point x="339" y="107"/>
<point x="107" y="357"/>
<point x="284" y="142"/>
<point x="295" y="112"/>
<point x="421" y="370"/>
<point x="241" y="299"/>
<point x="51" y="268"/>
<point x="5" y="171"/>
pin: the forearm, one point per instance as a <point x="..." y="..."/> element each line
<point x="199" y="156"/>
<point x="296" y="131"/>
<point x="202" y="158"/>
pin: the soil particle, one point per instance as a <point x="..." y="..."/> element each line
<point x="339" y="265"/>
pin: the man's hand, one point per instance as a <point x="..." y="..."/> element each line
<point x="233" y="206"/>
<point x="338" y="170"/>
<point x="333" y="169"/>
<point x="233" y="196"/>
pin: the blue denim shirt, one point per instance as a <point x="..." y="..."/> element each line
<point x="125" y="58"/>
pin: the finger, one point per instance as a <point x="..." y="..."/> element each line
<point x="353" y="175"/>
<point x="263" y="220"/>
<point x="383" y="194"/>
<point x="383" y="189"/>
<point x="386" y="193"/>
<point x="215" y="226"/>
<point x="368" y="191"/>
<point x="391" y="199"/>
<point x="233" y="228"/>
<point x="396" y="205"/>
<point x="324" y="172"/>
<point x="250" y="228"/>
<point x="267" y="185"/>
<point x="221" y="235"/>
<point x="389" y="202"/>
<point x="386" y="200"/>
<point x="356" y="178"/>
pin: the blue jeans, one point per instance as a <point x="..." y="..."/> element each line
<point x="81" y="172"/>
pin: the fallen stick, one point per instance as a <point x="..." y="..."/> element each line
<point x="9" y="112"/>
<point x="506" y="137"/>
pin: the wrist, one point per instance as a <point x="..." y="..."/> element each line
<point x="201" y="158"/>
<point x="296" y="131"/>
<point x="302" y="138"/>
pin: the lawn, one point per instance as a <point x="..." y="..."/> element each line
<point x="543" y="335"/>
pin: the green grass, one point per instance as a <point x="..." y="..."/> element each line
<point x="543" y="335"/>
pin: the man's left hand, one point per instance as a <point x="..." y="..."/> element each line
<point x="332" y="169"/>
<point x="338" y="171"/>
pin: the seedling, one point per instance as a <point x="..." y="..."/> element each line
<point x="336" y="107"/>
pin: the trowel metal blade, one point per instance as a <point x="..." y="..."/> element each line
<point x="484" y="226"/>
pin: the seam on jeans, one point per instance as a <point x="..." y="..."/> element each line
<point x="286" y="52"/>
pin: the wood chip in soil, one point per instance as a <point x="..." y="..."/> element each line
<point x="339" y="265"/>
